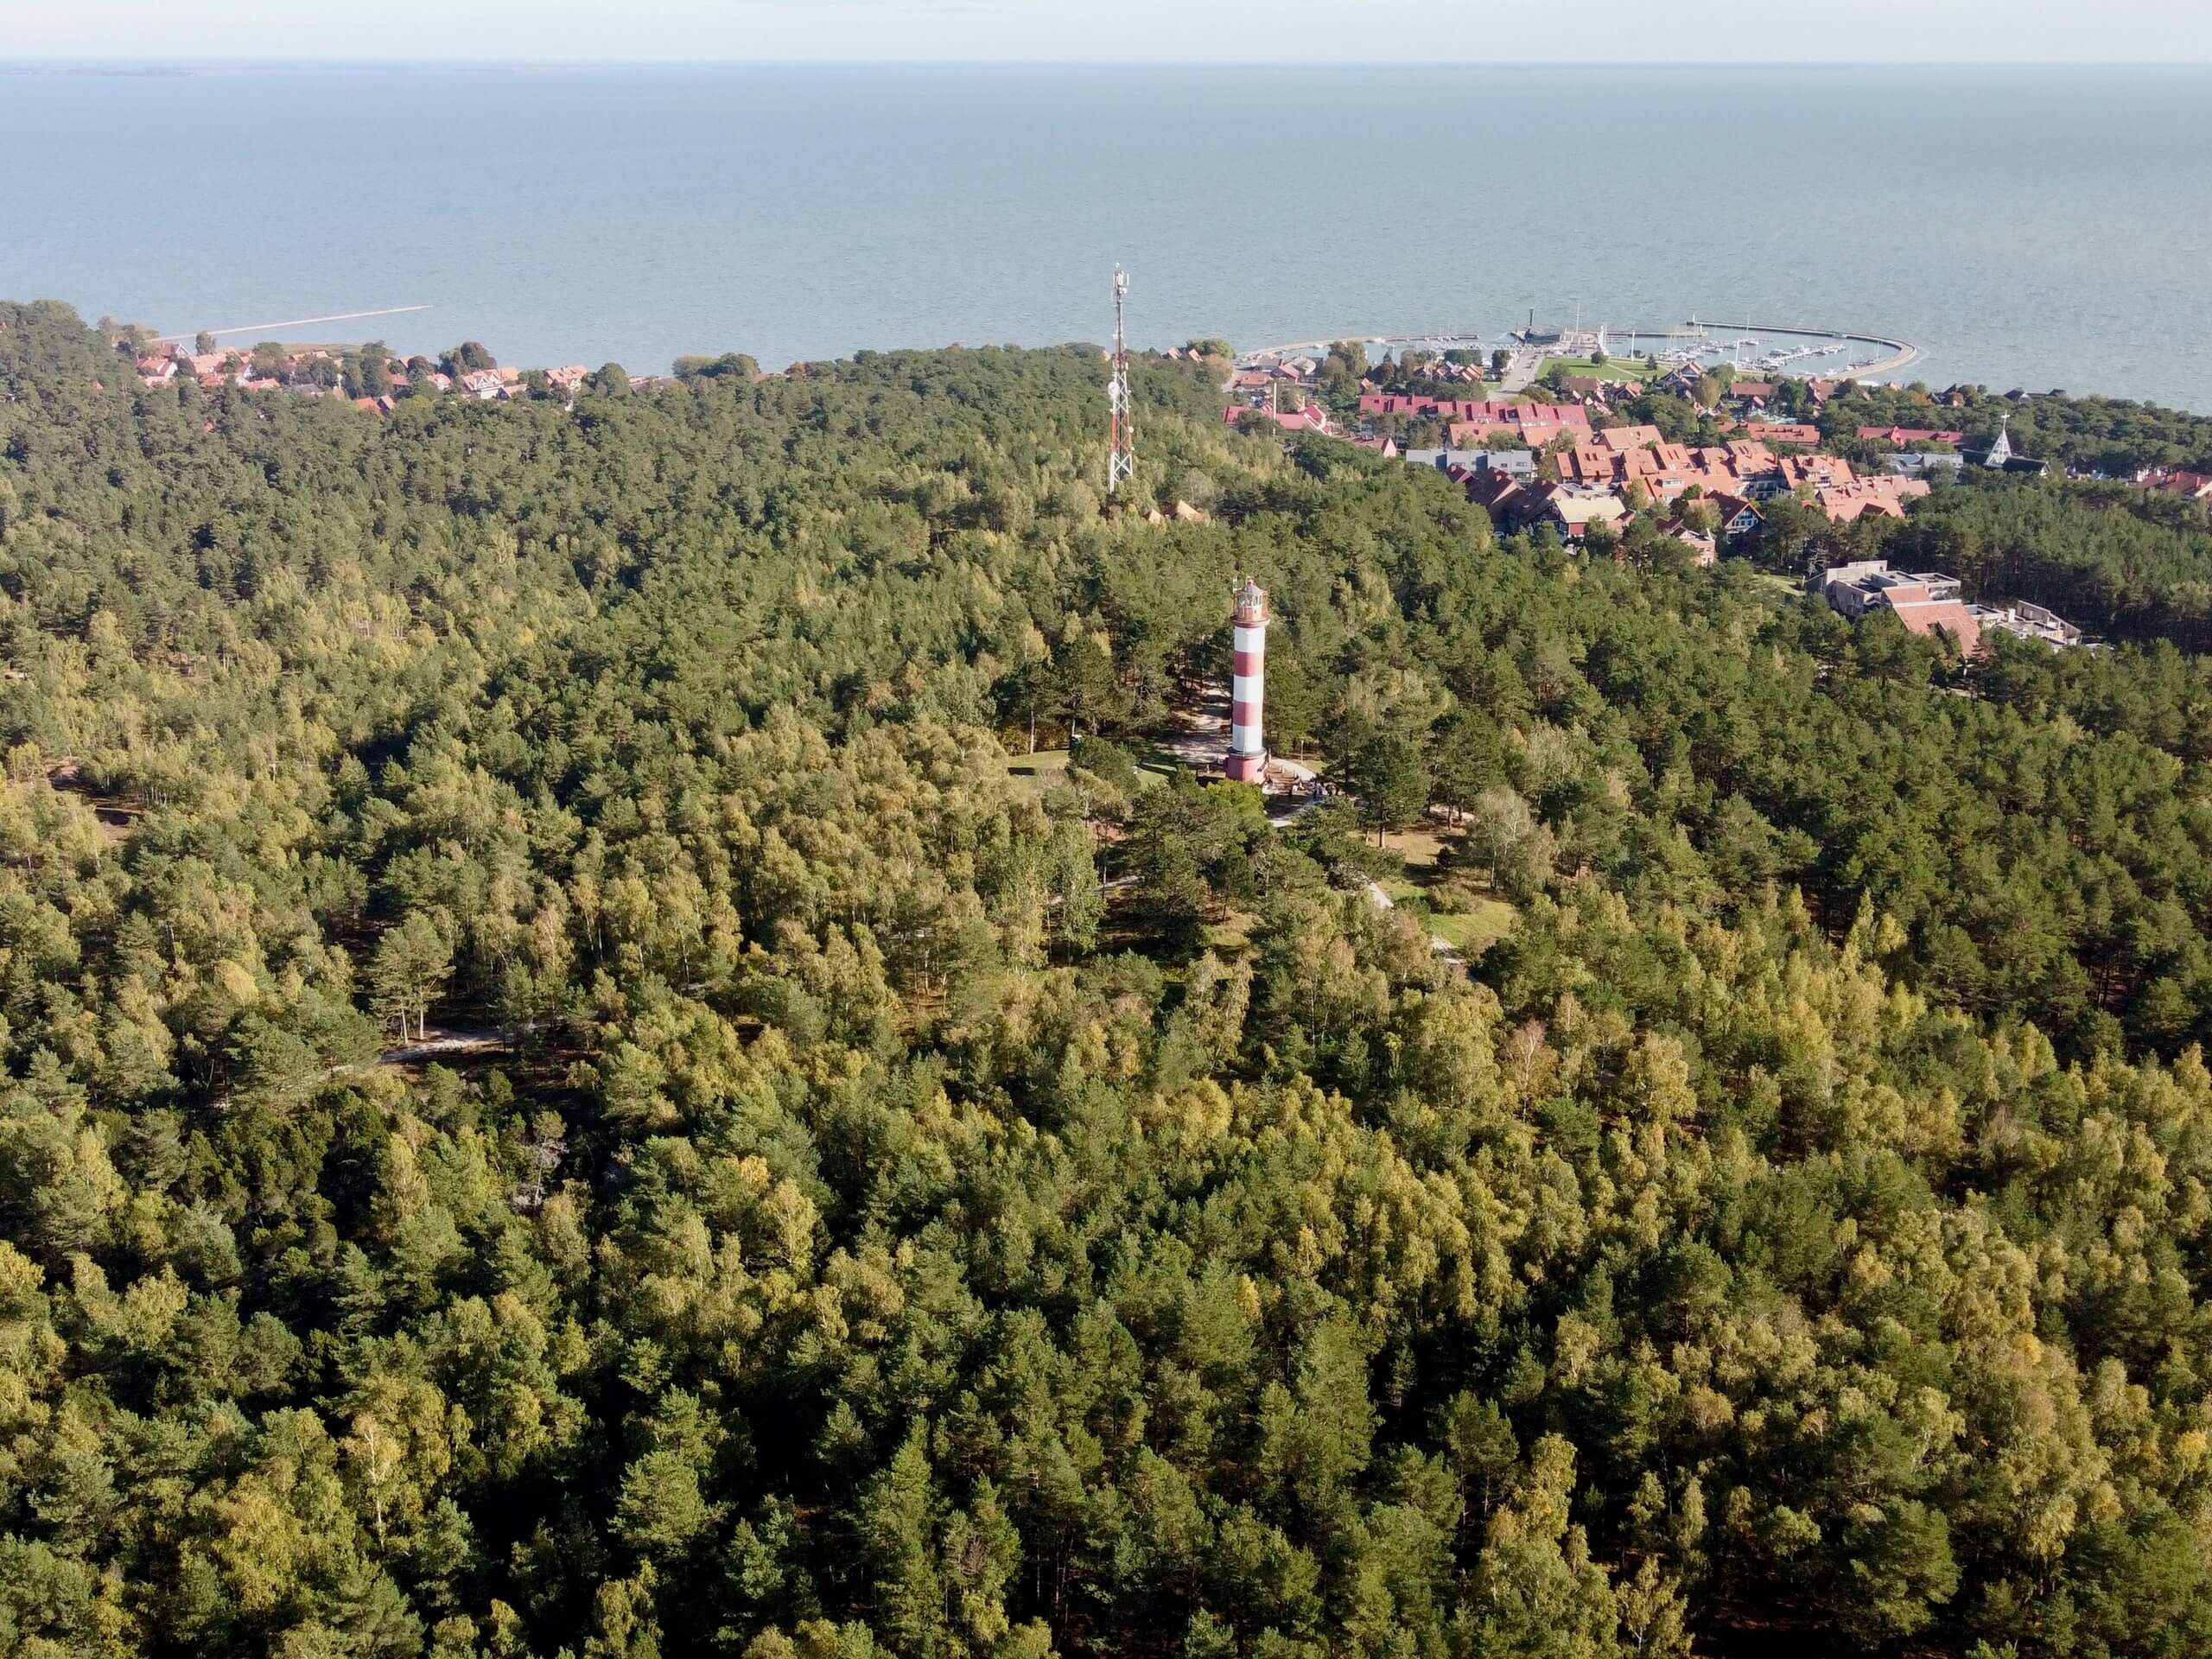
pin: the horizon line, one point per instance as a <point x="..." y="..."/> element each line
<point x="603" y="61"/>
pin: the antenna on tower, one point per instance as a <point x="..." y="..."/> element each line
<point x="1121" y="459"/>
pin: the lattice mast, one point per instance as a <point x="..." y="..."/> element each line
<point x="1121" y="459"/>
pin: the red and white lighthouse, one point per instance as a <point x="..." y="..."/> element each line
<point x="1248" y="749"/>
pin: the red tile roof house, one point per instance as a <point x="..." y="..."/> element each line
<point x="1497" y="412"/>
<point x="1620" y="455"/>
<point x="1586" y="463"/>
<point x="1402" y="403"/>
<point x="1310" y="419"/>
<point x="1926" y="603"/>
<point x="1534" y="434"/>
<point x="1572" y="511"/>
<point x="1847" y="503"/>
<point x="1622" y="439"/>
<point x="1546" y="414"/>
<point x="2194" y="486"/>
<point x="1800" y="433"/>
<point x="1532" y="425"/>
<point x="565" y="382"/>
<point x="1927" y="617"/>
<point x="1819" y="472"/>
<point x="1749" y="397"/>
<point x="1655" y="458"/>
<point x="1910" y="437"/>
<point x="1703" y="554"/>
<point x="1381" y="403"/>
<point x="157" y="370"/>
<point x="1739" y="518"/>
<point x="1668" y="488"/>
<point x="1497" y="493"/>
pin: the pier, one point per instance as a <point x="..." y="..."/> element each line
<point x="1903" y="353"/>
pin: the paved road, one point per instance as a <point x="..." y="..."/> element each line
<point x="1521" y="373"/>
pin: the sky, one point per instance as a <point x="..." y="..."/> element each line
<point x="1169" y="31"/>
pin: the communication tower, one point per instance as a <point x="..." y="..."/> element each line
<point x="1121" y="459"/>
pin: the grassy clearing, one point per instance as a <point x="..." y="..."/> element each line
<point x="1421" y="846"/>
<point x="1402" y="891"/>
<point x="1781" y="585"/>
<point x="1613" y="368"/>
<point x="1468" y="921"/>
<point x="1471" y="934"/>
<point x="1232" y="935"/>
<point x="1047" y="769"/>
<point x="1033" y="774"/>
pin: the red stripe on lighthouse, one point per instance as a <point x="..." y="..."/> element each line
<point x="1248" y="662"/>
<point x="1244" y="714"/>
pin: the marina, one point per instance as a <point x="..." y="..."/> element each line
<point x="1835" y="353"/>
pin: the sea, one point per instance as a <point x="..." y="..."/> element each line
<point x="2032" y="227"/>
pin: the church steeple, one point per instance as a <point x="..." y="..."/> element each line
<point x="2000" y="451"/>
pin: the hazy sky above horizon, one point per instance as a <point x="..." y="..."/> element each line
<point x="1169" y="31"/>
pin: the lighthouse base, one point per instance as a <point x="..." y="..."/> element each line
<point x="1245" y="768"/>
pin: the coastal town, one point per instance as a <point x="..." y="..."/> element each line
<point x="1566" y="453"/>
<point x="372" y="381"/>
<point x="1562" y="452"/>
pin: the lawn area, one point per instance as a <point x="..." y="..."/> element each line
<point x="1472" y="935"/>
<point x="1469" y="922"/>
<point x="1613" y="368"/>
<point x="1156" y="765"/>
<point x="1232" y="935"/>
<point x="1035" y="775"/>
<point x="1402" y="891"/>
<point x="1421" y="847"/>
